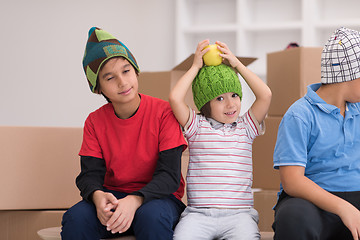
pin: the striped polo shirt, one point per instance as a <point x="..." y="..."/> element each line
<point x="220" y="164"/>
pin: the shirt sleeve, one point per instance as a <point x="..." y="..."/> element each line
<point x="291" y="143"/>
<point x="253" y="126"/>
<point x="91" y="177"/>
<point x="170" y="134"/>
<point x="167" y="176"/>
<point x="192" y="124"/>
<point x="90" y="144"/>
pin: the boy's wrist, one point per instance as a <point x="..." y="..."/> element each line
<point x="195" y="69"/>
<point x="239" y="66"/>
<point x="95" y="195"/>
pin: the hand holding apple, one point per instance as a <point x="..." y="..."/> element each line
<point x="212" y="57"/>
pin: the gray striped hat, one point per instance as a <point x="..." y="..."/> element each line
<point x="340" y="58"/>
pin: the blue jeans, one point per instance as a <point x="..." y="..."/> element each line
<point x="154" y="220"/>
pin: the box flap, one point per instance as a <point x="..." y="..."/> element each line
<point x="295" y="49"/>
<point x="186" y="64"/>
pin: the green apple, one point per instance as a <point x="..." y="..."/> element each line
<point x="212" y="57"/>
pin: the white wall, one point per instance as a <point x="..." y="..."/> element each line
<point x="41" y="48"/>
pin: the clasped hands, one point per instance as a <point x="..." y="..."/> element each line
<point x="116" y="214"/>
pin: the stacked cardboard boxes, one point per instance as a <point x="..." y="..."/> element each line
<point x="288" y="74"/>
<point x="38" y="167"/>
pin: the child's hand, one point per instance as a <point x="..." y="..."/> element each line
<point x="124" y="213"/>
<point x="199" y="53"/>
<point x="227" y="54"/>
<point x="105" y="203"/>
<point x="351" y="219"/>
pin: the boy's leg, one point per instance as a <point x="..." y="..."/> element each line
<point x="81" y="222"/>
<point x="298" y="219"/>
<point x="156" y="219"/>
<point x="196" y="224"/>
<point x="242" y="225"/>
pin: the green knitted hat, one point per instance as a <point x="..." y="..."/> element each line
<point x="100" y="47"/>
<point x="212" y="81"/>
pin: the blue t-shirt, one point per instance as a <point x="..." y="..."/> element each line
<point x="314" y="135"/>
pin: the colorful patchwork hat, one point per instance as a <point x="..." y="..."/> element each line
<point x="340" y="59"/>
<point x="100" y="47"/>
<point x="212" y="81"/>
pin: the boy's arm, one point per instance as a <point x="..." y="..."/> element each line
<point x="177" y="94"/>
<point x="262" y="92"/>
<point x="90" y="183"/>
<point x="91" y="177"/>
<point x="296" y="184"/>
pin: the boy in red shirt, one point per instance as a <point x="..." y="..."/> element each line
<point x="130" y="177"/>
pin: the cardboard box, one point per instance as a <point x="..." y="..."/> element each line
<point x="265" y="176"/>
<point x="159" y="84"/>
<point x="38" y="167"/>
<point x="23" y="225"/>
<point x="184" y="168"/>
<point x="288" y="74"/>
<point x="264" y="201"/>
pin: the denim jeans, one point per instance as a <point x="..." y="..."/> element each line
<point x="154" y="220"/>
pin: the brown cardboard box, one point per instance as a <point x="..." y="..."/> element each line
<point x="38" y="167"/>
<point x="264" y="201"/>
<point x="184" y="168"/>
<point x="159" y="84"/>
<point x="23" y="225"/>
<point x="288" y="74"/>
<point x="265" y="177"/>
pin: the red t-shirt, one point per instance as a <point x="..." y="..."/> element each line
<point x="130" y="147"/>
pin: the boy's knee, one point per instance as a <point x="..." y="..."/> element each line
<point x="155" y="215"/>
<point x="298" y="219"/>
<point x="79" y="214"/>
<point x="151" y="214"/>
<point x="80" y="222"/>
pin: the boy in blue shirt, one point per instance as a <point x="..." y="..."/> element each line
<point x="318" y="150"/>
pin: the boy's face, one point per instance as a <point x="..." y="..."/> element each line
<point x="225" y="108"/>
<point x="118" y="81"/>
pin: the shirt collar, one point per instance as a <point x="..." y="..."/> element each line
<point x="314" y="99"/>
<point x="216" y="125"/>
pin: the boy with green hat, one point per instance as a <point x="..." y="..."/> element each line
<point x="219" y="178"/>
<point x="130" y="177"/>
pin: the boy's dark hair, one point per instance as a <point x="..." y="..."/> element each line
<point x="206" y="110"/>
